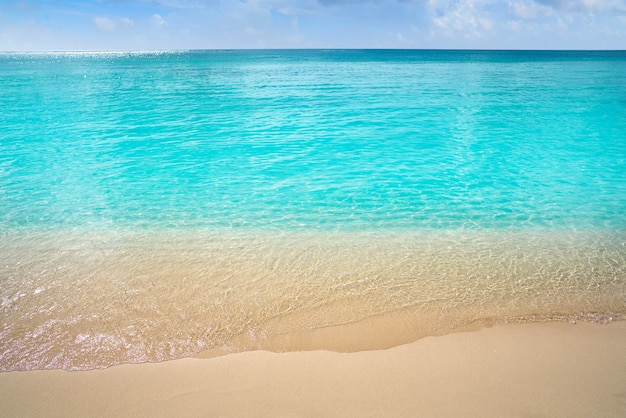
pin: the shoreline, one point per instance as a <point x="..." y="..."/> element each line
<point x="79" y="301"/>
<point x="550" y="369"/>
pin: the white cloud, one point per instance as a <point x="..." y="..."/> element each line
<point x="470" y="17"/>
<point x="157" y="20"/>
<point x="587" y="5"/>
<point x="291" y="10"/>
<point x="559" y="24"/>
<point x="126" y="22"/>
<point x="529" y="9"/>
<point x="104" y="24"/>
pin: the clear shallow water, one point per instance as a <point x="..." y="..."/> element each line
<point x="155" y="205"/>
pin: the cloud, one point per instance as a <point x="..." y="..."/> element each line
<point x="529" y="9"/>
<point x="157" y="20"/>
<point x="586" y="5"/>
<point x="127" y="22"/>
<point x="104" y="24"/>
<point x="168" y="24"/>
<point x="470" y="17"/>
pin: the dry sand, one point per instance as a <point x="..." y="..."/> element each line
<point x="529" y="370"/>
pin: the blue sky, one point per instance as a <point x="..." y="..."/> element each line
<point x="211" y="24"/>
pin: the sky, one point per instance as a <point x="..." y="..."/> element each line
<point x="94" y="25"/>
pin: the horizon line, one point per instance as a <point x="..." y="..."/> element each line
<point x="302" y="49"/>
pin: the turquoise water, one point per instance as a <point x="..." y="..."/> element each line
<point x="155" y="205"/>
<point x="348" y="140"/>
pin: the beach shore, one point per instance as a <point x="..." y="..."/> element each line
<point x="552" y="370"/>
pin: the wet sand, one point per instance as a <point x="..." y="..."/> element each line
<point x="558" y="369"/>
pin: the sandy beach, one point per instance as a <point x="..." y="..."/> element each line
<point x="527" y="370"/>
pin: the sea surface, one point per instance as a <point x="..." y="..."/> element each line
<point x="157" y="205"/>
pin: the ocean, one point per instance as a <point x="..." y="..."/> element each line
<point x="158" y="205"/>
